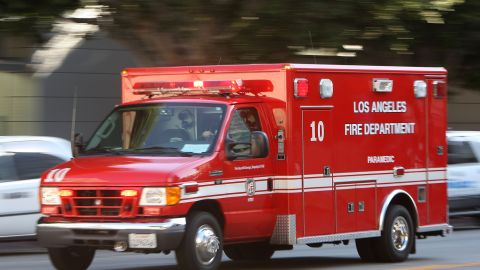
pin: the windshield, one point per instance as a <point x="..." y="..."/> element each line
<point x="166" y="128"/>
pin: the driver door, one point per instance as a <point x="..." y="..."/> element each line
<point x="250" y="176"/>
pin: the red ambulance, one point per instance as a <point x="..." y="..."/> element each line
<point x="250" y="159"/>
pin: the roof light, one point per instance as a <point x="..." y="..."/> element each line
<point x="439" y="89"/>
<point x="326" y="88"/>
<point x="382" y="85"/>
<point x="420" y="89"/>
<point x="300" y="87"/>
<point x="198" y="84"/>
<point x="225" y="87"/>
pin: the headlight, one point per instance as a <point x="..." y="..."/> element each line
<point x="50" y="196"/>
<point x="160" y="196"/>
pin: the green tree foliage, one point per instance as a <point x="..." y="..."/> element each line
<point x="187" y="32"/>
<point x="393" y="32"/>
<point x="30" y="18"/>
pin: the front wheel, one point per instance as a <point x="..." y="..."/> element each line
<point x="201" y="248"/>
<point x="71" y="258"/>
<point x="397" y="238"/>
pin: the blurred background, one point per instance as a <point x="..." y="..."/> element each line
<point x="51" y="48"/>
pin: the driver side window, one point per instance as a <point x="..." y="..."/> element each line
<point x="244" y="122"/>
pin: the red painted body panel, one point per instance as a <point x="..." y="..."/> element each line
<point x="319" y="214"/>
<point x="360" y="164"/>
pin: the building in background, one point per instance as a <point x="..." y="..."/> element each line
<point x="80" y="53"/>
<point x="17" y="108"/>
<point x="37" y="96"/>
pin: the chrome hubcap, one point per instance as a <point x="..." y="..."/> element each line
<point x="400" y="235"/>
<point x="206" y="244"/>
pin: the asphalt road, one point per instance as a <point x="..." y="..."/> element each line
<point x="460" y="250"/>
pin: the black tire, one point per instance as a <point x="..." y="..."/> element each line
<point x="386" y="248"/>
<point x="366" y="249"/>
<point x="260" y="251"/>
<point x="206" y="227"/>
<point x="233" y="253"/>
<point x="71" y="258"/>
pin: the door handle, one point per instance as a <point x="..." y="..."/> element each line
<point x="270" y="184"/>
<point x="326" y="171"/>
<point x="350" y="207"/>
<point x="16" y="195"/>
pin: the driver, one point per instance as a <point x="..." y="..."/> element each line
<point x="186" y="118"/>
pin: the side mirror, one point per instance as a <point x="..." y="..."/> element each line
<point x="236" y="150"/>
<point x="259" y="143"/>
<point x="257" y="148"/>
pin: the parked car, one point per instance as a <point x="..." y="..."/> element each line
<point x="22" y="160"/>
<point x="464" y="173"/>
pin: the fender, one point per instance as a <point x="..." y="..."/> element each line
<point x="387" y="202"/>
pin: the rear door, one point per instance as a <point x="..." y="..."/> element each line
<point x="318" y="200"/>
<point x="437" y="152"/>
<point x="19" y="208"/>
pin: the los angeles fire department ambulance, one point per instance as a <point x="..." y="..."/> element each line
<point x="250" y="159"/>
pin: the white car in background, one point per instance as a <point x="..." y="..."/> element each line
<point x="22" y="160"/>
<point x="463" y="173"/>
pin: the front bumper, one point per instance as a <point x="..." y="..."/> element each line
<point x="168" y="234"/>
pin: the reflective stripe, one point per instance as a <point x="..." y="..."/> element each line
<point x="230" y="188"/>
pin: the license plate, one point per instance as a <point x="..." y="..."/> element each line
<point x="142" y="240"/>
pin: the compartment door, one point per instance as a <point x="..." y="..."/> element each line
<point x="437" y="152"/>
<point x="317" y="133"/>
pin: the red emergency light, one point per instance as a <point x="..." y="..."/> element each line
<point x="300" y="87"/>
<point x="221" y="87"/>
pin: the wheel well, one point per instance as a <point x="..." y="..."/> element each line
<point x="210" y="206"/>
<point x="399" y="197"/>
<point x="406" y="201"/>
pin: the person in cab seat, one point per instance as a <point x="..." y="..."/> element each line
<point x="183" y="132"/>
<point x="244" y="121"/>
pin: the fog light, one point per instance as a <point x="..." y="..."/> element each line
<point x="120" y="246"/>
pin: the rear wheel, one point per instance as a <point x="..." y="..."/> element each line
<point x="251" y="251"/>
<point x="397" y="238"/>
<point x="71" y="258"/>
<point x="201" y="248"/>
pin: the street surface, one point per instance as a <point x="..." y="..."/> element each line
<point x="460" y="250"/>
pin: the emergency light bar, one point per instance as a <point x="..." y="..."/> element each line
<point x="222" y="87"/>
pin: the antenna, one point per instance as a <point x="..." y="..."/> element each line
<point x="311" y="43"/>
<point x="219" y="60"/>
<point x="74" y="116"/>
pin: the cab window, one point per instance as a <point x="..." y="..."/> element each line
<point x="7" y="167"/>
<point x="460" y="152"/>
<point x="32" y="165"/>
<point x="244" y="122"/>
<point x="16" y="166"/>
<point x="168" y="129"/>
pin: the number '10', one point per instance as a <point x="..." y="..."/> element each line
<point x="318" y="130"/>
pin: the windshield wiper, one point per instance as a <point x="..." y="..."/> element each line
<point x="164" y="150"/>
<point x="109" y="150"/>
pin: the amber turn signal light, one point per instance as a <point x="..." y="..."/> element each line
<point x="129" y="193"/>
